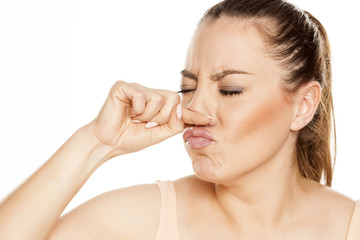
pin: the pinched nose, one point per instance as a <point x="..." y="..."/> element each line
<point x="198" y="110"/>
<point x="191" y="117"/>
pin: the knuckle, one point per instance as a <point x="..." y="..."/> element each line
<point x="174" y="97"/>
<point x="139" y="94"/>
<point x="116" y="87"/>
<point x="158" y="98"/>
<point x="119" y="83"/>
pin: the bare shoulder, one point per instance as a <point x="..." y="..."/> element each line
<point x="333" y="211"/>
<point x="118" y="214"/>
<point x="336" y="201"/>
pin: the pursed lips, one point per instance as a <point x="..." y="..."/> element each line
<point x="197" y="137"/>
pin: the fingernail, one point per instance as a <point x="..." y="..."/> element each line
<point x="209" y="117"/>
<point x="179" y="111"/>
<point x="151" y="124"/>
<point x="136" y="121"/>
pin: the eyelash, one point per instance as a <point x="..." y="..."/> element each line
<point x="221" y="91"/>
<point x="185" y="91"/>
<point x="230" y="93"/>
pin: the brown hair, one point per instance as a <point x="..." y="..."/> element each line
<point x="301" y="44"/>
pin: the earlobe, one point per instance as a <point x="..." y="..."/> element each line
<point x="308" y="100"/>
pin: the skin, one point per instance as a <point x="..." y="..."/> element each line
<point x="252" y="164"/>
<point x="259" y="117"/>
<point x="247" y="177"/>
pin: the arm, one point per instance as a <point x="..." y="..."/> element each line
<point x="31" y="211"/>
<point x="128" y="213"/>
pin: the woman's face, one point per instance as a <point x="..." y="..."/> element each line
<point x="238" y="84"/>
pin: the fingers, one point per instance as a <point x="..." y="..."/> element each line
<point x="145" y="105"/>
<point x="158" y="108"/>
<point x="154" y="106"/>
<point x="174" y="125"/>
<point x="171" y="102"/>
<point x="130" y="95"/>
<point x="138" y="102"/>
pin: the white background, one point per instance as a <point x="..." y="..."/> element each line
<point x="58" y="60"/>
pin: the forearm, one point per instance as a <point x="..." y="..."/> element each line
<point x="31" y="211"/>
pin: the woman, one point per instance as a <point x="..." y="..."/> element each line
<point x="257" y="110"/>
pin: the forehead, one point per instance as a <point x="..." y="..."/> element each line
<point x="227" y="42"/>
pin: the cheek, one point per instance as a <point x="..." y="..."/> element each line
<point x="256" y="120"/>
<point x="253" y="132"/>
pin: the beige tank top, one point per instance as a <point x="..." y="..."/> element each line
<point x="168" y="227"/>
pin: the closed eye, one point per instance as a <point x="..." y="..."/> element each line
<point x="222" y="92"/>
<point x="185" y="91"/>
<point x="230" y="93"/>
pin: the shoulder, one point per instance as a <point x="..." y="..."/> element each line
<point x="332" y="210"/>
<point x="118" y="214"/>
<point x="335" y="201"/>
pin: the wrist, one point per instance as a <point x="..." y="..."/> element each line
<point x="102" y="152"/>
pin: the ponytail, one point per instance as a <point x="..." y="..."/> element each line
<point x="314" y="142"/>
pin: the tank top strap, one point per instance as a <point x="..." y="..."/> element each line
<point x="354" y="227"/>
<point x="167" y="226"/>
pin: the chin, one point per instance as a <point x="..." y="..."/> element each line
<point x="206" y="170"/>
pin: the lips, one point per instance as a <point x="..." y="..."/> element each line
<point x="197" y="137"/>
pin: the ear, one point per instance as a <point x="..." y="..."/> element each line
<point x="306" y="103"/>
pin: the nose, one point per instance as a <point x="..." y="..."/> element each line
<point x="200" y="110"/>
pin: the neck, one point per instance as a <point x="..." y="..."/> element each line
<point x="268" y="197"/>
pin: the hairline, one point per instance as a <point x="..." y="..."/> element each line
<point x="264" y="25"/>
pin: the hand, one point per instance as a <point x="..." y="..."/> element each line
<point x="135" y="117"/>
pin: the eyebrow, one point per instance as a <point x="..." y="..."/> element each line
<point x="188" y="74"/>
<point x="214" y="77"/>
